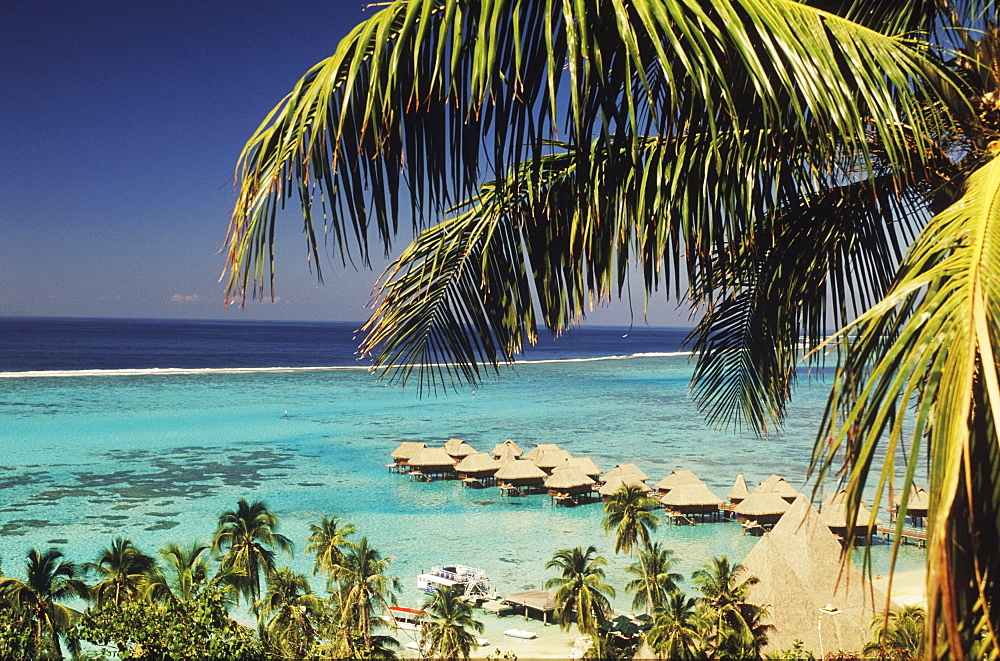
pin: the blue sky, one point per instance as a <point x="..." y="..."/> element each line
<point x="122" y="122"/>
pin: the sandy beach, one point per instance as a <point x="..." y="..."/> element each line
<point x="908" y="587"/>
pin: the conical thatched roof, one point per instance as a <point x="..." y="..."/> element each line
<point x="456" y="447"/>
<point x="481" y="462"/>
<point x="407" y="449"/>
<point x="762" y="504"/>
<point x="919" y="501"/>
<point x="519" y="469"/>
<point x="800" y="574"/>
<point x="432" y="458"/>
<point x="835" y="516"/>
<point x="614" y="484"/>
<point x="690" y="495"/>
<point x="629" y="471"/>
<point x="539" y="447"/>
<point x="778" y="485"/>
<point x="507" y="454"/>
<point x="507" y="446"/>
<point x="585" y="464"/>
<point x="739" y="490"/>
<point x="568" y="478"/>
<point x="678" y="478"/>
<point x="550" y="459"/>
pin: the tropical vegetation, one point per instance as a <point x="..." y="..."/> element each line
<point x="449" y="632"/>
<point x="782" y="167"/>
<point x="581" y="593"/>
<point x="247" y="536"/>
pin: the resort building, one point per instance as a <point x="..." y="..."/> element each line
<point x="549" y="460"/>
<point x="477" y="470"/>
<point x="691" y="500"/>
<point x="760" y="510"/>
<point x="520" y="476"/>
<point x="778" y="485"/>
<point x="508" y="447"/>
<point x="739" y="492"/>
<point x="538" y="449"/>
<point x="401" y="455"/>
<point x="585" y="465"/>
<point x="458" y="449"/>
<point x="568" y="485"/>
<point x="677" y="478"/>
<point x="432" y="463"/>
<point x="916" y="506"/>
<point x="833" y="512"/>
<point x="626" y="472"/>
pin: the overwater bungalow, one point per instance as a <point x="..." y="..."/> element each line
<point x="401" y="455"/>
<point x="777" y="484"/>
<point x="586" y="466"/>
<point x="615" y="483"/>
<point x="692" y="500"/>
<point x="568" y="486"/>
<point x="549" y="460"/>
<point x="538" y="449"/>
<point x="520" y="476"/>
<point x="458" y="449"/>
<point x="916" y="506"/>
<point x="833" y="513"/>
<point x="507" y="447"/>
<point x="760" y="510"/>
<point x="739" y="492"/>
<point x="677" y="478"/>
<point x="628" y="472"/>
<point x="432" y="463"/>
<point x="477" y="470"/>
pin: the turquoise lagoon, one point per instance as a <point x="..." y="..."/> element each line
<point x="156" y="457"/>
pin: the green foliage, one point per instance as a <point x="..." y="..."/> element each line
<point x="248" y="536"/>
<point x="738" y="628"/>
<point x="362" y="590"/>
<point x="122" y="568"/>
<point x="177" y="630"/>
<point x="16" y="638"/>
<point x="796" y="653"/>
<point x="326" y="541"/>
<point x="581" y="592"/>
<point x="291" y="630"/>
<point x="447" y="634"/>
<point x="899" y="636"/>
<point x="655" y="581"/>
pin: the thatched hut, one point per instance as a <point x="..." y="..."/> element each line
<point x="585" y="465"/>
<point x="477" y="469"/>
<point x="401" y="455"/>
<point x="549" y="460"/>
<point x="809" y="594"/>
<point x="778" y="485"/>
<point x="762" y="508"/>
<point x="691" y="499"/>
<point x="834" y="514"/>
<point x="507" y="447"/>
<point x="917" y="504"/>
<point x="520" y="474"/>
<point x="739" y="492"/>
<point x="677" y="478"/>
<point x="568" y="484"/>
<point x="458" y="449"/>
<point x="432" y="462"/>
<point x="538" y="449"/>
<point x="613" y="484"/>
<point x="627" y="472"/>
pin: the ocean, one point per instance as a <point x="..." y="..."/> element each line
<point x="129" y="428"/>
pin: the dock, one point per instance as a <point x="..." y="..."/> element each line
<point x="909" y="534"/>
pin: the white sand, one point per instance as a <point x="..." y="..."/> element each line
<point x="908" y="587"/>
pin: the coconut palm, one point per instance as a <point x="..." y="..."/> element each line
<point x="49" y="578"/>
<point x="767" y="160"/>
<point x="627" y="514"/>
<point x="189" y="571"/>
<point x="326" y="540"/>
<point x="363" y="590"/>
<point x="898" y="636"/>
<point x="289" y="608"/>
<point x="248" y="537"/>
<point x="737" y="629"/>
<point x="654" y="581"/>
<point x="679" y="629"/>
<point x="581" y="592"/>
<point x="447" y="635"/>
<point x="122" y="568"/>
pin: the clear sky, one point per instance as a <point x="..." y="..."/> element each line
<point x="122" y="122"/>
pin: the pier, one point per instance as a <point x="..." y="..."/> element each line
<point x="912" y="534"/>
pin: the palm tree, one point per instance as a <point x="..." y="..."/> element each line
<point x="243" y="534"/>
<point x="679" y="629"/>
<point x="581" y="592"/>
<point x="654" y="581"/>
<point x="447" y="636"/>
<point x="49" y="578"/>
<point x="291" y="606"/>
<point x="363" y="589"/>
<point x="898" y="636"/>
<point x="326" y="541"/>
<point x="627" y="514"/>
<point x="737" y="628"/>
<point x="766" y="160"/>
<point x="189" y="568"/>
<point x="122" y="567"/>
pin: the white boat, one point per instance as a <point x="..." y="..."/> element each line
<point x="404" y="618"/>
<point x="470" y="582"/>
<point x="520" y="633"/>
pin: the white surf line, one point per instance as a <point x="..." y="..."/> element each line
<point x="171" y="371"/>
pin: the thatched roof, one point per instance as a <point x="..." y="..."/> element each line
<point x="778" y="485"/>
<point x="585" y="464"/>
<point x="739" y="490"/>
<point x="614" y="484"/>
<point x="689" y="495"/>
<point x="835" y="516"/>
<point x="920" y="500"/>
<point x="539" y="447"/>
<point x="678" y="478"/>
<point x="407" y="449"/>
<point x="432" y="458"/>
<point x="551" y="458"/>
<point x="481" y="462"/>
<point x="507" y="446"/>
<point x="630" y="471"/>
<point x="456" y="447"/>
<point x="799" y="568"/>
<point x="568" y="478"/>
<point x="507" y="454"/>
<point x="519" y="469"/>
<point x="762" y="504"/>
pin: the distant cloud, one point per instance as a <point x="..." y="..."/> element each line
<point x="185" y="298"/>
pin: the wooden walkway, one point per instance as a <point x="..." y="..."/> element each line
<point x="917" y="536"/>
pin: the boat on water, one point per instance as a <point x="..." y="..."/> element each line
<point x="408" y="619"/>
<point x="471" y="583"/>
<point x="520" y="633"/>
